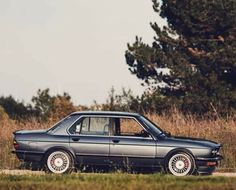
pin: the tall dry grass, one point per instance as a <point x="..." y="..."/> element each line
<point x="7" y="127"/>
<point x="222" y="130"/>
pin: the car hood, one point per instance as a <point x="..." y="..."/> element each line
<point x="191" y="142"/>
<point x="38" y="131"/>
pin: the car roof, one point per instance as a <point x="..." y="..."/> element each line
<point x="113" y="113"/>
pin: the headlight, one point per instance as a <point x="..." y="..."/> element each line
<point x="15" y="144"/>
<point x="215" y="152"/>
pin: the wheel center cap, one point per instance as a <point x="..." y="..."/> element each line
<point x="179" y="165"/>
<point x="58" y="162"/>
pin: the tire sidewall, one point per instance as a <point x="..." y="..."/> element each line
<point x="70" y="158"/>
<point x="192" y="160"/>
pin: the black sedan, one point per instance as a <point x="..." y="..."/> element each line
<point x="116" y="140"/>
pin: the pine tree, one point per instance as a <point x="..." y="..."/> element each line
<point x="198" y="46"/>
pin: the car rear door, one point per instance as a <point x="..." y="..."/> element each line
<point x="89" y="139"/>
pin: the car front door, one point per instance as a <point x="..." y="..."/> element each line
<point x="89" y="139"/>
<point x="131" y="146"/>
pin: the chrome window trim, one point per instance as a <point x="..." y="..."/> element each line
<point x="49" y="130"/>
<point x="109" y="135"/>
<point x="133" y="137"/>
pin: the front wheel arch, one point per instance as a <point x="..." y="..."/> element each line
<point x="179" y="151"/>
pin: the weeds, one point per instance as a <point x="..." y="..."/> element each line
<point x="222" y="130"/>
<point x="114" y="181"/>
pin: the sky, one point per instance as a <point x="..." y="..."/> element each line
<point x="74" y="46"/>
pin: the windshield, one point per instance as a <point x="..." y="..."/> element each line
<point x="152" y="126"/>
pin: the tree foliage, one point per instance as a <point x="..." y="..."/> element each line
<point x="198" y="46"/>
<point x="15" y="109"/>
<point x="122" y="101"/>
<point x="52" y="107"/>
<point x="43" y="107"/>
<point x="43" y="103"/>
<point x="61" y="107"/>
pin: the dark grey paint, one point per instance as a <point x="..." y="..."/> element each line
<point x="91" y="146"/>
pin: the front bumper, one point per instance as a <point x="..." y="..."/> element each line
<point x="216" y="158"/>
<point x="207" y="165"/>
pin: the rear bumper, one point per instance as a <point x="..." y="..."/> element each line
<point x="207" y="165"/>
<point x="28" y="156"/>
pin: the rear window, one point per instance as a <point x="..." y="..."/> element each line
<point x="91" y="126"/>
<point x="64" y="122"/>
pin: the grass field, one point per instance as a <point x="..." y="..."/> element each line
<point x="114" y="181"/>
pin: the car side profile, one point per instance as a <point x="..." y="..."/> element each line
<point x="116" y="140"/>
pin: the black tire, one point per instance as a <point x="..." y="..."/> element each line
<point x="180" y="164"/>
<point x="59" y="162"/>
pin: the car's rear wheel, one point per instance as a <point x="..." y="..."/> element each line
<point x="59" y="162"/>
<point x="180" y="164"/>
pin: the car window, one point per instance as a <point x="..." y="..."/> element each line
<point x="84" y="125"/>
<point x="129" y="127"/>
<point x="65" y="122"/>
<point x="91" y="126"/>
<point x="152" y="126"/>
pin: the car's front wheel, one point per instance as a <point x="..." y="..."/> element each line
<point x="180" y="164"/>
<point x="59" y="162"/>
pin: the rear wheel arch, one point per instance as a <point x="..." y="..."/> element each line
<point x="58" y="160"/>
<point x="57" y="148"/>
<point x="60" y="148"/>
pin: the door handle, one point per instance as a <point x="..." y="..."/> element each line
<point x="115" y="141"/>
<point x="75" y="139"/>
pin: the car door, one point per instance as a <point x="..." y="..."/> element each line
<point x="89" y="139"/>
<point x="131" y="146"/>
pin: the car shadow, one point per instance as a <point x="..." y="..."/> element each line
<point x="94" y="169"/>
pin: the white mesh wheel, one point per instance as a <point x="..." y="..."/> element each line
<point x="59" y="162"/>
<point x="180" y="164"/>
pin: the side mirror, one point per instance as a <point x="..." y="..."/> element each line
<point x="168" y="134"/>
<point x="144" y="133"/>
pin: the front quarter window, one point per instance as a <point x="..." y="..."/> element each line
<point x="129" y="127"/>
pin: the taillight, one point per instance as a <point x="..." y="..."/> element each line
<point x="15" y="144"/>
